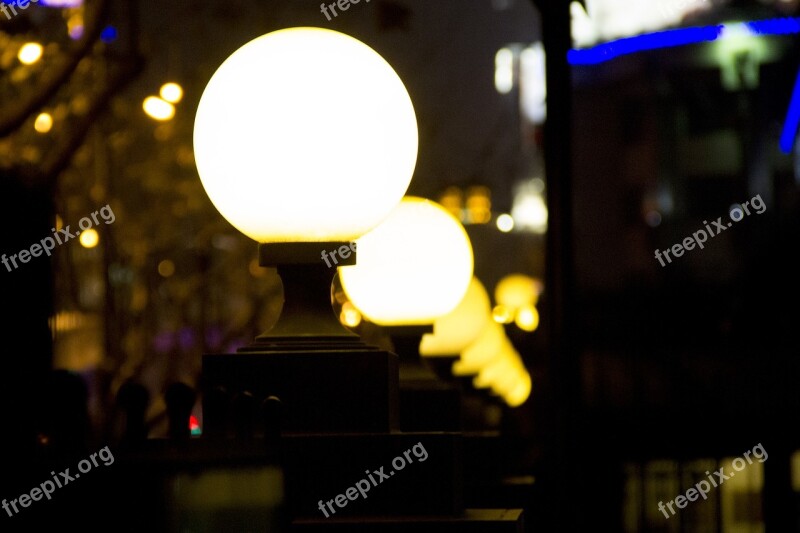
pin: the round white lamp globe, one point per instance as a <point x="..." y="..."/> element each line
<point x="413" y="268"/>
<point x="305" y="135"/>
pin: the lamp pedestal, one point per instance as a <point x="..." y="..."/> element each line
<point x="339" y="414"/>
<point x="325" y="377"/>
<point x="427" y="403"/>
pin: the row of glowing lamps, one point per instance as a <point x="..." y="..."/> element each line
<point x="285" y="166"/>
<point x="427" y="254"/>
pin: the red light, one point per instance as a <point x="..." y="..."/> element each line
<point x="194" y="425"/>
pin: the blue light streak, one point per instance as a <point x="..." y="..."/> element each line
<point x="677" y="37"/>
<point x="792" y="120"/>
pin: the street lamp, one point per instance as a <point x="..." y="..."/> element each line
<point x="413" y="268"/>
<point x="305" y="139"/>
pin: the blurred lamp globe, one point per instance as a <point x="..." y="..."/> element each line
<point x="305" y="135"/>
<point x="413" y="268"/>
<point x="520" y="393"/>
<point x="517" y="290"/>
<point x="502" y="373"/>
<point x="457" y="329"/>
<point x="485" y="350"/>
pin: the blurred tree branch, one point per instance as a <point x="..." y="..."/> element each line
<point x="14" y="113"/>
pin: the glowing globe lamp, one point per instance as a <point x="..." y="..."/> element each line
<point x="501" y="374"/>
<point x="413" y="268"/>
<point x="517" y="290"/>
<point x="520" y="392"/>
<point x="457" y="329"/>
<point x="305" y="135"/>
<point x="489" y="346"/>
<point x="305" y="139"/>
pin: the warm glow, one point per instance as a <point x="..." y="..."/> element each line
<point x="529" y="209"/>
<point x="519" y="394"/>
<point x="89" y="238"/>
<point x="502" y="314"/>
<point x="413" y="268"/>
<point x="75" y="26"/>
<point x="166" y="268"/>
<point x="504" y="70"/>
<point x="505" y="223"/>
<point x="502" y="373"/>
<point x="171" y="92"/>
<point x="457" y="329"/>
<point x="30" y="53"/>
<point x="43" y="122"/>
<point x="527" y="318"/>
<point x="158" y="109"/>
<point x="350" y="316"/>
<point x="517" y="290"/>
<point x="489" y="345"/>
<point x="305" y="134"/>
<point x="479" y="205"/>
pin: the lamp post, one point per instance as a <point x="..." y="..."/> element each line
<point x="306" y="138"/>
<point x="456" y="330"/>
<point x="413" y="268"/>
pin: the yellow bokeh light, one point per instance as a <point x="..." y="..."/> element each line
<point x="502" y="314"/>
<point x="75" y="25"/>
<point x="479" y="205"/>
<point x="517" y="290"/>
<point x="43" y="122"/>
<point x="350" y="316"/>
<point x="30" y="53"/>
<point x="489" y="346"/>
<point x="505" y="223"/>
<point x="166" y="268"/>
<point x="89" y="238"/>
<point x="171" y="92"/>
<point x="413" y="268"/>
<point x="452" y="199"/>
<point x="158" y="109"/>
<point x="520" y="393"/>
<point x="256" y="270"/>
<point x="282" y="164"/>
<point x="527" y="318"/>
<point x="502" y="372"/>
<point x="457" y="329"/>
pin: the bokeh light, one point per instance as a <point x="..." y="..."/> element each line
<point x="43" y="123"/>
<point x="171" y="92"/>
<point x="158" y="109"/>
<point x="30" y="53"/>
<point x="89" y="238"/>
